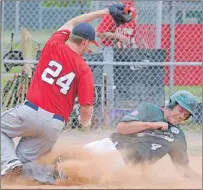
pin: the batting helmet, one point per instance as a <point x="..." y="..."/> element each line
<point x="185" y="99"/>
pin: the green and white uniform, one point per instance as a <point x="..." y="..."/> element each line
<point x="151" y="145"/>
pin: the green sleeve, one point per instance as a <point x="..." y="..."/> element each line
<point x="139" y="114"/>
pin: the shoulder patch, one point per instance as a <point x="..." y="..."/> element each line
<point x="134" y="113"/>
<point x="175" y="130"/>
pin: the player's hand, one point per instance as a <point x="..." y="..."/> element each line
<point x="160" y="125"/>
<point x="124" y="39"/>
<point x="84" y="124"/>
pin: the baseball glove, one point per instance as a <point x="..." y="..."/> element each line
<point x="121" y="13"/>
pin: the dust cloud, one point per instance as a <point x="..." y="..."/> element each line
<point x="87" y="170"/>
<point x="84" y="167"/>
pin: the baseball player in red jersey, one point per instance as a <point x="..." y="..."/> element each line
<point x="63" y="74"/>
<point x="60" y="76"/>
<point x="122" y="36"/>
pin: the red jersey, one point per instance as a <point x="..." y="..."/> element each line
<point x="107" y="25"/>
<point x="60" y="76"/>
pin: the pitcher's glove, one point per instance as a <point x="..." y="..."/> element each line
<point x="121" y="13"/>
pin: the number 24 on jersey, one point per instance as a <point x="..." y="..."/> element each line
<point x="50" y="76"/>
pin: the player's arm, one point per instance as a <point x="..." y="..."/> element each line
<point x="106" y="30"/>
<point x="87" y="17"/>
<point x="86" y="113"/>
<point x="86" y="98"/>
<point x="113" y="36"/>
<point x="138" y="121"/>
<point x="133" y="127"/>
<point x="63" y="32"/>
<point x="179" y="157"/>
<point x="187" y="172"/>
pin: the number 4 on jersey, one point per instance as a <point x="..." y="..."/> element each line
<point x="155" y="146"/>
<point x="64" y="82"/>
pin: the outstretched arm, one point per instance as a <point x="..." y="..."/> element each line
<point x="180" y="159"/>
<point x="187" y="172"/>
<point x="87" y="17"/>
<point x="113" y="36"/>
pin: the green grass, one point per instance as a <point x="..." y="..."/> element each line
<point x="16" y="69"/>
<point x="37" y="37"/>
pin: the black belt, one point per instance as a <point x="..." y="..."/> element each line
<point x="31" y="105"/>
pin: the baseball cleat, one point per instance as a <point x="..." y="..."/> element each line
<point x="12" y="167"/>
<point x="60" y="159"/>
<point x="60" y="174"/>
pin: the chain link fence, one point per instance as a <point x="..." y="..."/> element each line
<point x="160" y="53"/>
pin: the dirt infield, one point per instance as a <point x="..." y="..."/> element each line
<point x="161" y="175"/>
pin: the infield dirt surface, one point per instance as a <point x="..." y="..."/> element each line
<point x="161" y="175"/>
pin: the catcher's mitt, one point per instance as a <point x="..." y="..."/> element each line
<point x="121" y="13"/>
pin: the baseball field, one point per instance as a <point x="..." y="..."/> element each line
<point x="161" y="48"/>
<point x="96" y="172"/>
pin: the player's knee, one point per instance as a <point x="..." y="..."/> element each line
<point x="21" y="155"/>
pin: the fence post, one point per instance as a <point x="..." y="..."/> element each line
<point x="17" y="23"/>
<point x="26" y="43"/>
<point x="105" y="102"/>
<point x="172" y="48"/>
<point x="158" y="24"/>
<point x="108" y="69"/>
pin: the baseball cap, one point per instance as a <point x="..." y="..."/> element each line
<point x="85" y="31"/>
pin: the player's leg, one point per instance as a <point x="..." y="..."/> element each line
<point x="41" y="173"/>
<point x="66" y="168"/>
<point x="101" y="146"/>
<point x="44" y="173"/>
<point x="106" y="146"/>
<point x="25" y="122"/>
<point x="32" y="147"/>
<point x="9" y="160"/>
<point x="12" y="125"/>
<point x="71" y="168"/>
